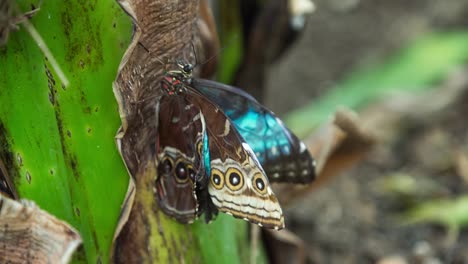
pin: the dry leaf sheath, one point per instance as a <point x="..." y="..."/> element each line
<point x="31" y="235"/>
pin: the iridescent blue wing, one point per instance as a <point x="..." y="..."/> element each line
<point x="283" y="156"/>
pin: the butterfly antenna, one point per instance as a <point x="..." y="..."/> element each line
<point x="147" y="50"/>
<point x="143" y="46"/>
<point x="194" y="52"/>
<point x="219" y="52"/>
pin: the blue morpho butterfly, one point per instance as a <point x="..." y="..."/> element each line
<point x="204" y="165"/>
<point x="205" y="159"/>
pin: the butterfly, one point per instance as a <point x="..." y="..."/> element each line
<point x="267" y="141"/>
<point x="202" y="158"/>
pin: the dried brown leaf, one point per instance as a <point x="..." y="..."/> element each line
<point x="336" y="145"/>
<point x="31" y="235"/>
<point x="284" y="247"/>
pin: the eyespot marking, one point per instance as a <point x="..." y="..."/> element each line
<point x="259" y="184"/>
<point x="166" y="165"/>
<point x="234" y="179"/>
<point x="181" y="172"/>
<point x="217" y="179"/>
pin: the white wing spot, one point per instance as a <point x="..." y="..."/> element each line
<point x="175" y="119"/>
<point x="197" y="117"/>
<point x="302" y="147"/>
<point x="226" y="128"/>
<point x="274" y="151"/>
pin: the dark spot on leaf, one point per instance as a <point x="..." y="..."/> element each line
<point x="8" y="159"/>
<point x="73" y="164"/>
<point x="28" y="177"/>
<point x="95" y="240"/>
<point x="77" y="49"/>
<point x="69" y="133"/>
<point x="19" y="159"/>
<point x="50" y="84"/>
<point x="51" y="99"/>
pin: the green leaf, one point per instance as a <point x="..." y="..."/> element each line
<point x="59" y="141"/>
<point x="448" y="212"/>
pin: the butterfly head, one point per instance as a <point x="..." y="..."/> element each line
<point x="185" y="68"/>
<point x="183" y="72"/>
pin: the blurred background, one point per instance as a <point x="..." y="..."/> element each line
<point x="401" y="66"/>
